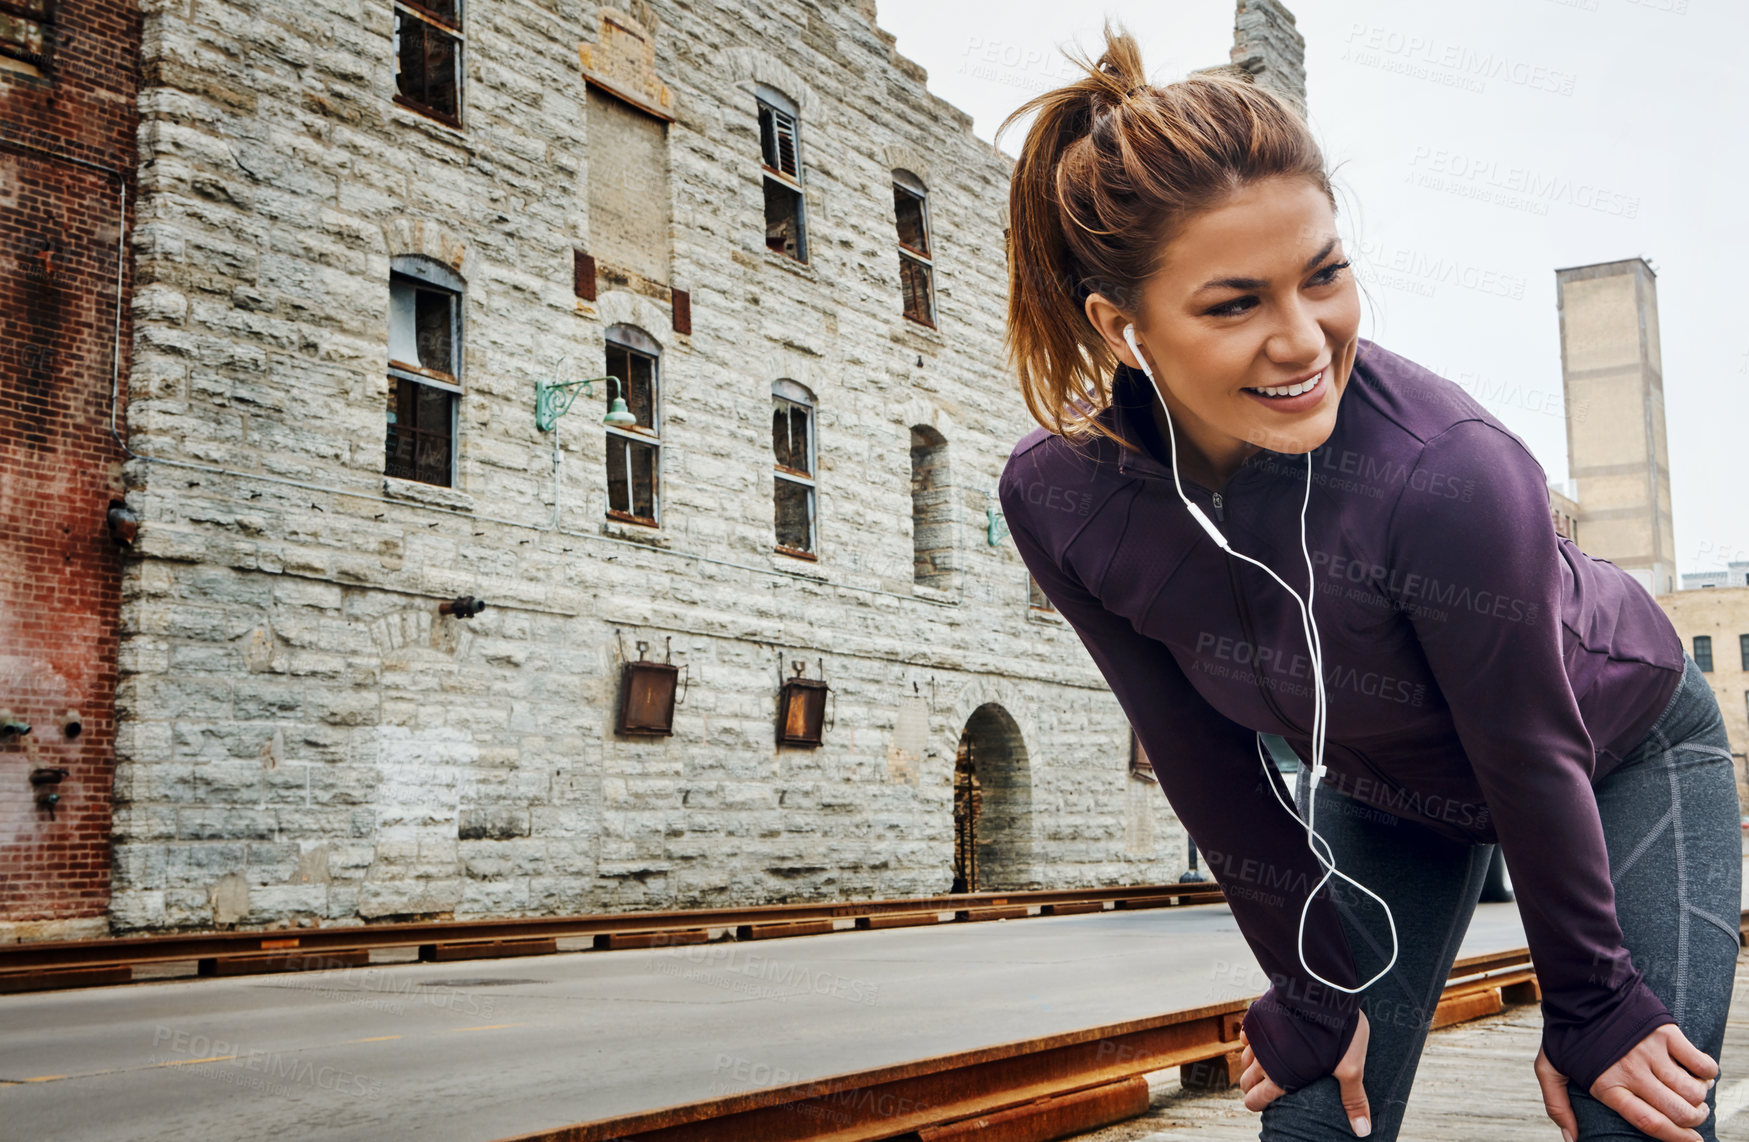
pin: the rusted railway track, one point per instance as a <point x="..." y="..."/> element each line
<point x="1033" y="1090"/>
<point x="48" y="964"/>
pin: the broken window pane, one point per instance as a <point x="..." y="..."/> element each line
<point x="789" y="436"/>
<point x="777" y="140"/>
<point x="424" y="337"/>
<point x="420" y="441"/>
<point x="637" y="375"/>
<point x="422" y="325"/>
<point x="916" y="274"/>
<point x="780" y="153"/>
<point x="795" y="513"/>
<point x="632" y="452"/>
<point x="631" y="477"/>
<point x="916" y="288"/>
<point x="908" y="207"/>
<point x="783" y="220"/>
<point x="434" y="313"/>
<point x="428" y="63"/>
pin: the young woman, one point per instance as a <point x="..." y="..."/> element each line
<point x="1185" y="328"/>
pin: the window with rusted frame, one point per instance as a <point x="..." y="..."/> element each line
<point x="27" y="30"/>
<point x="634" y="453"/>
<point x="424" y="369"/>
<point x="916" y="263"/>
<point x="428" y="58"/>
<point x="793" y="489"/>
<point x="781" y="170"/>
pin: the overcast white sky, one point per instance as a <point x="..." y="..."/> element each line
<point x="1625" y="113"/>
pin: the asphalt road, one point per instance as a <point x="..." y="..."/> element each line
<point x="489" y="1048"/>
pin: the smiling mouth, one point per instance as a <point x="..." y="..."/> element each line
<point x="1292" y="390"/>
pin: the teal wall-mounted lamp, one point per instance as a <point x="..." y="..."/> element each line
<point x="996" y="526"/>
<point x="552" y="399"/>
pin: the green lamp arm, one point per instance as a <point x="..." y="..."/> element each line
<point x="553" y="400"/>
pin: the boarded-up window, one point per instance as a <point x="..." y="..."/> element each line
<point x="792" y="447"/>
<point x="634" y="453"/>
<point x="428" y="58"/>
<point x="629" y="203"/>
<point x="932" y="554"/>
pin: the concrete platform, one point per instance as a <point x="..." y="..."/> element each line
<point x="1492" y="1054"/>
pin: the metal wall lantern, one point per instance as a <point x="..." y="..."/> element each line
<point x="646" y="696"/>
<point x="552" y="399"/>
<point x="801" y="708"/>
<point x="996" y="524"/>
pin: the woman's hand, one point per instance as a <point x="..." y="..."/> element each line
<point x="1649" y="1087"/>
<point x="1260" y="1090"/>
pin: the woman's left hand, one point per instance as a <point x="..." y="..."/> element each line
<point x="1261" y="1090"/>
<point x="1653" y="1087"/>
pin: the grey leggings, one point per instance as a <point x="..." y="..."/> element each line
<point x="1672" y="828"/>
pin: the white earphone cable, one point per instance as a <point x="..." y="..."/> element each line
<point x="1310" y="629"/>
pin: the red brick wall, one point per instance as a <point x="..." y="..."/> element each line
<point x="60" y="572"/>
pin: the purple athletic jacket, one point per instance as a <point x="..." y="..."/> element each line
<point x="1481" y="673"/>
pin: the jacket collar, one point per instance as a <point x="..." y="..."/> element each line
<point x="1131" y="416"/>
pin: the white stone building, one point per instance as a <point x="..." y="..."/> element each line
<point x="366" y="231"/>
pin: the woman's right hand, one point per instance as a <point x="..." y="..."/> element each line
<point x="1657" y="1087"/>
<point x="1261" y="1090"/>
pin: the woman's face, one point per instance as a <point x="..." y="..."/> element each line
<point x="1253" y="293"/>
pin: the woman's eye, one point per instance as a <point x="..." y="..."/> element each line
<point x="1238" y="305"/>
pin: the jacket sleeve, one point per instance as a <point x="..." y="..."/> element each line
<point x="1475" y="563"/>
<point x="1209" y="769"/>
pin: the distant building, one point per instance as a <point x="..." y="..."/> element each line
<point x="1564" y="509"/>
<point x="1735" y="574"/>
<point x="1617" y="455"/>
<point x="1617" y="504"/>
<point x="1714" y="625"/>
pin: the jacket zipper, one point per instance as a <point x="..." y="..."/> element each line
<point x="1245" y="625"/>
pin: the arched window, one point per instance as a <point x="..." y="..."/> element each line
<point x="916" y="262"/>
<point x="792" y="446"/>
<point x="931" y="509"/>
<point x="634" y="453"/>
<point x="781" y="166"/>
<point x="425" y="370"/>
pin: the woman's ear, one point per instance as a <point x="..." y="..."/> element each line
<point x="1110" y="321"/>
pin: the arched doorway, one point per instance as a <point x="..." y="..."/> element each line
<point x="992" y="805"/>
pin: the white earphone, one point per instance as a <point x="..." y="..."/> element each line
<point x="1310" y="627"/>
